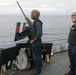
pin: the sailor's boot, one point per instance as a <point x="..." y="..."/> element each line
<point x="70" y="73"/>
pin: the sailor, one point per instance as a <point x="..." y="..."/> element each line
<point x="72" y="46"/>
<point x="35" y="41"/>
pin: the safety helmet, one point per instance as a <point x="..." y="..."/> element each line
<point x="73" y="14"/>
<point x="35" y="13"/>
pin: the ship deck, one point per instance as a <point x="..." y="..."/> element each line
<point x="59" y="66"/>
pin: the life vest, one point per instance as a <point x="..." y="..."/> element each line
<point x="33" y="29"/>
<point x="72" y="35"/>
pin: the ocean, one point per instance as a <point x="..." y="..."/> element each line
<point x="55" y="30"/>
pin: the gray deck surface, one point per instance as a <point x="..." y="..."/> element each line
<point x="59" y="66"/>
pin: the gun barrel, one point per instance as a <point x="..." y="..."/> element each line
<point x="21" y="9"/>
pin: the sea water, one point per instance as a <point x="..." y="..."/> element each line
<point x="55" y="30"/>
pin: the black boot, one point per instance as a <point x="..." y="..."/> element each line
<point x="70" y="73"/>
<point x="35" y="72"/>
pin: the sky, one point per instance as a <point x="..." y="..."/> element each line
<point x="46" y="7"/>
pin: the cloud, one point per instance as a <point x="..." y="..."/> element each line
<point x="45" y="6"/>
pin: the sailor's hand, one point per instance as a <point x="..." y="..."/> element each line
<point x="28" y="20"/>
<point x="31" y="41"/>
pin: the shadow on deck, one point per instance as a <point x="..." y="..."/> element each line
<point x="59" y="66"/>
